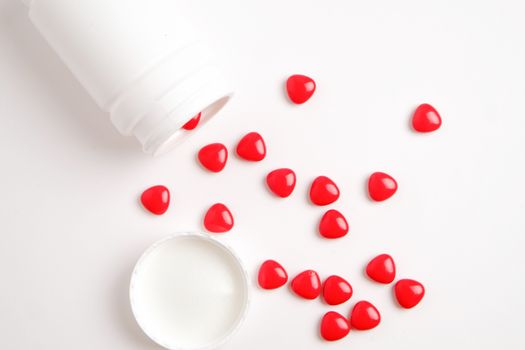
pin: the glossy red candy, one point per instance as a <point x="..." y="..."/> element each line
<point x="409" y="293"/>
<point x="382" y="269"/>
<point x="333" y="224"/>
<point x="192" y="123"/>
<point x="272" y="275"/>
<point x="323" y="191"/>
<point x="213" y="157"/>
<point x="364" y="316"/>
<point x="426" y="118"/>
<point x="300" y="88"/>
<point x="252" y="147"/>
<point x="281" y="182"/>
<point x="381" y="186"/>
<point x="156" y="199"/>
<point x="307" y="284"/>
<point x="336" y="290"/>
<point x="334" y="326"/>
<point x="218" y="219"/>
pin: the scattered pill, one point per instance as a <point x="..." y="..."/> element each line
<point x="336" y="290"/>
<point x="218" y="219"/>
<point x="381" y="186"/>
<point x="300" y="88"/>
<point x="364" y="316"/>
<point x="281" y="182"/>
<point x="307" y="284"/>
<point x="409" y="292"/>
<point x="213" y="157"/>
<point x="156" y="199"/>
<point x="323" y="191"/>
<point x="334" y="326"/>
<point x="272" y="275"/>
<point x="333" y="224"/>
<point x="252" y="147"/>
<point x="426" y="118"/>
<point x="382" y="269"/>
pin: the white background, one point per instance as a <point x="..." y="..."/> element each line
<point x="71" y="227"/>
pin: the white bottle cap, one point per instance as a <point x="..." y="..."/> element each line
<point x="189" y="291"/>
<point x="141" y="62"/>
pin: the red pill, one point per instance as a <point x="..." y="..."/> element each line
<point x="382" y="269"/>
<point x="252" y="147"/>
<point x="300" y="88"/>
<point x="333" y="224"/>
<point x="323" y="191"/>
<point x="409" y="293"/>
<point x="213" y="157"/>
<point x="218" y="219"/>
<point x="192" y="123"/>
<point x="281" y="182"/>
<point x="381" y="186"/>
<point x="307" y="284"/>
<point x="334" y="326"/>
<point x="364" y="316"/>
<point x="272" y="275"/>
<point x="336" y="290"/>
<point x="426" y="118"/>
<point x="156" y="199"/>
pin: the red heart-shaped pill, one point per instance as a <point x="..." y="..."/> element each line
<point x="307" y="284"/>
<point x="300" y="88"/>
<point x="333" y="224"/>
<point x="272" y="275"/>
<point x="382" y="269"/>
<point x="252" y="147"/>
<point x="218" y="219"/>
<point x="364" y="316"/>
<point x="156" y="199"/>
<point x="213" y="157"/>
<point x="426" y="118"/>
<point x="192" y="123"/>
<point x="334" y="326"/>
<point x="323" y="191"/>
<point x="409" y="293"/>
<point x="381" y="186"/>
<point x="336" y="290"/>
<point x="281" y="182"/>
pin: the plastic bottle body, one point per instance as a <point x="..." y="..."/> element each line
<point x="141" y="63"/>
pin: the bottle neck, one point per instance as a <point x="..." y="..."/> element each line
<point x="161" y="131"/>
<point x="163" y="99"/>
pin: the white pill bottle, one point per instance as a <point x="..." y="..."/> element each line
<point x="140" y="60"/>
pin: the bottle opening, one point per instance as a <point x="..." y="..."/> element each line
<point x="179" y="135"/>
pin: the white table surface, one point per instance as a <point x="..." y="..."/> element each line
<point x="71" y="228"/>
